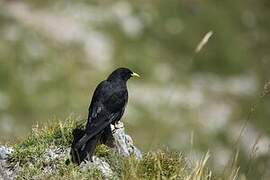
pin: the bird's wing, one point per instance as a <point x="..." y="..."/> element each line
<point x="96" y="126"/>
<point x="96" y="102"/>
<point x="106" y="107"/>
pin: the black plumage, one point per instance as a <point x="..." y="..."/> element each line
<point x="107" y="107"/>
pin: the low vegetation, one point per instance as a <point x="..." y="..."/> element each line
<point x="159" y="164"/>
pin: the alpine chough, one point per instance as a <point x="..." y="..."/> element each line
<point x="107" y="107"/>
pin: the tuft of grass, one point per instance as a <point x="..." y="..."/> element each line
<point x="56" y="134"/>
<point x="162" y="164"/>
<point x="29" y="154"/>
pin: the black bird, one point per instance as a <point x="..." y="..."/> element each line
<point x="107" y="107"/>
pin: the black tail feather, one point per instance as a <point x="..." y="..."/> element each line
<point x="87" y="150"/>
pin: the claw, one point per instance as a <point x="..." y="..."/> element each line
<point x="116" y="126"/>
<point x="119" y="125"/>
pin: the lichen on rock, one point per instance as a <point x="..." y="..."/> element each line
<point x="99" y="164"/>
<point x="5" y="171"/>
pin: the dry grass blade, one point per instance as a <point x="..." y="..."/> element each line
<point x="200" y="172"/>
<point x="234" y="174"/>
<point x="204" y="41"/>
<point x="266" y="89"/>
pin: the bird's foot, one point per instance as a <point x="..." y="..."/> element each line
<point x="119" y="125"/>
<point x="116" y="126"/>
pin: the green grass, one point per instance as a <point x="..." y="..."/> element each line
<point x="159" y="164"/>
<point x="52" y="135"/>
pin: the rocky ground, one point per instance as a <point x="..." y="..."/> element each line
<point x="44" y="154"/>
<point x="124" y="146"/>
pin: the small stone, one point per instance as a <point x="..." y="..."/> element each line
<point x="98" y="163"/>
<point x="55" y="153"/>
<point x="5" y="152"/>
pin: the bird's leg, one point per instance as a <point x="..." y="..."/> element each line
<point x="112" y="128"/>
<point x="89" y="157"/>
<point x="107" y="137"/>
<point x="77" y="158"/>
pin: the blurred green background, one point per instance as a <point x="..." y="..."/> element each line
<point x="54" y="53"/>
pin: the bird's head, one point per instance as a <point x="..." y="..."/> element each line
<point x="123" y="74"/>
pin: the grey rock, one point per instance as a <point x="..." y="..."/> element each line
<point x="124" y="143"/>
<point x="6" y="172"/>
<point x="5" y="152"/>
<point x="54" y="154"/>
<point x="98" y="163"/>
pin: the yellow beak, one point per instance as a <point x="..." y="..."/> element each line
<point x="135" y="75"/>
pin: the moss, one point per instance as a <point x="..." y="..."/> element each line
<point x="102" y="151"/>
